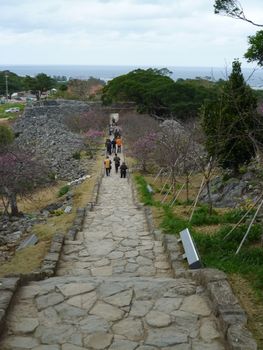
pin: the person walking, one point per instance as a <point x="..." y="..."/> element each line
<point x="108" y="146"/>
<point x="113" y="145"/>
<point x="118" y="144"/>
<point x="107" y="165"/>
<point x="117" y="162"/>
<point x="123" y="169"/>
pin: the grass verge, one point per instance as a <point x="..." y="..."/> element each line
<point x="31" y="258"/>
<point x="245" y="270"/>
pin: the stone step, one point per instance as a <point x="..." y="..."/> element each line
<point x="112" y="313"/>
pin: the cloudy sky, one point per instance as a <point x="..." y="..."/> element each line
<point x="122" y="32"/>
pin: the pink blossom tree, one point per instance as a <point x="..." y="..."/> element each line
<point x="20" y="174"/>
<point x="144" y="148"/>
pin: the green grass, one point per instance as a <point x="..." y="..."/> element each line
<point x="5" y="106"/>
<point x="146" y="196"/>
<point x="202" y="217"/>
<point x="63" y="190"/>
<point x="215" y="251"/>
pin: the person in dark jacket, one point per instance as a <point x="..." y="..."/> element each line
<point x="123" y="169"/>
<point x="113" y="145"/>
<point x="108" y="146"/>
<point x="117" y="162"/>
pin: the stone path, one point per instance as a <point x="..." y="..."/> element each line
<point x="114" y="291"/>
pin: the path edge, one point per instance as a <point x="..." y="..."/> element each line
<point x="10" y="284"/>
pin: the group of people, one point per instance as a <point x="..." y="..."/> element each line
<point x="114" y="145"/>
<point x="117" y="163"/>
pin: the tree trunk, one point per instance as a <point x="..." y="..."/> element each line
<point x="13" y="205"/>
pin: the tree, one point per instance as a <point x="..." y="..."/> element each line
<point x="157" y="94"/>
<point x="92" y="140"/>
<point x="255" y="50"/>
<point x="14" y="82"/>
<point x="93" y="119"/>
<point x="39" y="84"/>
<point x="20" y="174"/>
<point x="234" y="9"/>
<point x="6" y="137"/>
<point x="144" y="148"/>
<point x="229" y="123"/>
<point x="84" y="89"/>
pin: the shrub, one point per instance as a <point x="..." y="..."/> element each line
<point x="6" y="136"/>
<point x="63" y="190"/>
<point x="76" y="155"/>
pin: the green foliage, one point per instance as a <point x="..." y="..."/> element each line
<point x="230" y="8"/>
<point x="202" y="216"/>
<point x="219" y="253"/>
<point x="6" y="136"/>
<point x="173" y="224"/>
<point x="15" y="82"/>
<point x="229" y="122"/>
<point x="57" y="212"/>
<point x="76" y="155"/>
<point x="63" y="190"/>
<point x="255" y="50"/>
<point x="39" y="84"/>
<point x="146" y="196"/>
<point x="157" y="94"/>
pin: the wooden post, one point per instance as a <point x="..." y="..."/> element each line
<point x="166" y="182"/>
<point x="197" y="197"/>
<point x="177" y="195"/>
<point x="243" y="217"/>
<point x="156" y="177"/>
<point x="249" y="227"/>
<point x="164" y="198"/>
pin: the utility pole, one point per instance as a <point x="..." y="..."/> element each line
<point x="6" y="86"/>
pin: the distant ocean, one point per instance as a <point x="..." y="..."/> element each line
<point x="106" y="73"/>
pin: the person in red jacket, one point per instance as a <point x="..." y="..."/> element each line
<point x="118" y="144"/>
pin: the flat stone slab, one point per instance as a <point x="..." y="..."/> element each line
<point x="110" y="313"/>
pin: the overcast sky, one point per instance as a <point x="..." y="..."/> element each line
<point x="122" y="32"/>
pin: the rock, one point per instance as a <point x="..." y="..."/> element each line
<point x="25" y="325"/>
<point x="195" y="304"/>
<point x="71" y="289"/>
<point x="50" y="299"/>
<point x="120" y="299"/>
<point x="94" y="324"/>
<point x="21" y="342"/>
<point x="165" y="337"/>
<point x="106" y="311"/>
<point x="119" y="344"/>
<point x="130" y="328"/>
<point x="158" y="319"/>
<point x="98" y="341"/>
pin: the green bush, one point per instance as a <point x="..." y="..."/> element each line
<point x="6" y="136"/>
<point x="63" y="190"/>
<point x="76" y="155"/>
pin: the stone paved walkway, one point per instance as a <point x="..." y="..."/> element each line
<point x="114" y="291"/>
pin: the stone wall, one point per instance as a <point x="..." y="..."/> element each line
<point x="42" y="128"/>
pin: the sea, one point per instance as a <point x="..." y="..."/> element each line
<point x="254" y="77"/>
